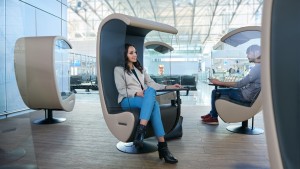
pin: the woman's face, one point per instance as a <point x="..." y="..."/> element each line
<point x="132" y="54"/>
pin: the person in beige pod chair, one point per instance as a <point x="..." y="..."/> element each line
<point x="137" y="90"/>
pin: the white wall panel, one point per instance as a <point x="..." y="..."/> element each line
<point x="64" y="12"/>
<point x="51" y="6"/>
<point x="64" y="29"/>
<point x="47" y="25"/>
<point x="20" y="22"/>
<point x="64" y="2"/>
<point x="22" y="18"/>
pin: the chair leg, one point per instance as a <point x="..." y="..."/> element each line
<point x="244" y="129"/>
<point x="49" y="119"/>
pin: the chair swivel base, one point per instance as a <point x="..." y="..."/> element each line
<point x="49" y="120"/>
<point x="131" y="149"/>
<point x="244" y="130"/>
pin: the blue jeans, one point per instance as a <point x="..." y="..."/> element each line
<point x="150" y="110"/>
<point x="232" y="93"/>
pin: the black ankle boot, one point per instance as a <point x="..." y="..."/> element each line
<point x="139" y="136"/>
<point x="164" y="152"/>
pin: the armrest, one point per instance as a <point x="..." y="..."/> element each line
<point x="170" y="90"/>
<point x="187" y="89"/>
<point x="216" y="86"/>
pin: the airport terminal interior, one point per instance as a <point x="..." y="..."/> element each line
<point x="58" y="99"/>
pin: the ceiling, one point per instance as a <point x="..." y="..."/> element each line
<point x="200" y="23"/>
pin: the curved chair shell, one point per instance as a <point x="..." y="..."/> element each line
<point x="280" y="82"/>
<point x="113" y="32"/>
<point x="36" y="76"/>
<point x="231" y="112"/>
<point x="160" y="47"/>
<point x="241" y="35"/>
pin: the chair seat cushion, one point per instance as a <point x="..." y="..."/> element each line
<point x="247" y="104"/>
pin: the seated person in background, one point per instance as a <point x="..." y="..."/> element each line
<point x="137" y="90"/>
<point x="244" y="90"/>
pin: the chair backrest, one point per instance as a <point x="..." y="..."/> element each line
<point x="114" y="31"/>
<point x="188" y="80"/>
<point x="231" y="112"/>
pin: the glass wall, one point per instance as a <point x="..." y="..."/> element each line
<point x="20" y="22"/>
<point x="21" y="19"/>
<point x="62" y="67"/>
<point x="83" y="70"/>
<point x="2" y="57"/>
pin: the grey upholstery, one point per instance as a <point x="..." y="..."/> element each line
<point x="114" y="31"/>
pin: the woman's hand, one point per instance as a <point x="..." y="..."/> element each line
<point x="175" y="86"/>
<point x="140" y="94"/>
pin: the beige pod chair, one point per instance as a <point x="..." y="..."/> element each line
<point x="233" y="112"/>
<point x="114" y="31"/>
<point x="280" y="82"/>
<point x="229" y="110"/>
<point x="42" y="74"/>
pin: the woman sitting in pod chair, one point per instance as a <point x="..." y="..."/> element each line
<point x="137" y="90"/>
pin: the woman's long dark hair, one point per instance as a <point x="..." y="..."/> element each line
<point x="136" y="64"/>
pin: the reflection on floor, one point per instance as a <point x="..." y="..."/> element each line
<point x="16" y="144"/>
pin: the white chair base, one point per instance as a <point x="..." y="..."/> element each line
<point x="131" y="149"/>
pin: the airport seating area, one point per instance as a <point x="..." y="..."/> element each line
<point x="83" y="82"/>
<point x="188" y="81"/>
